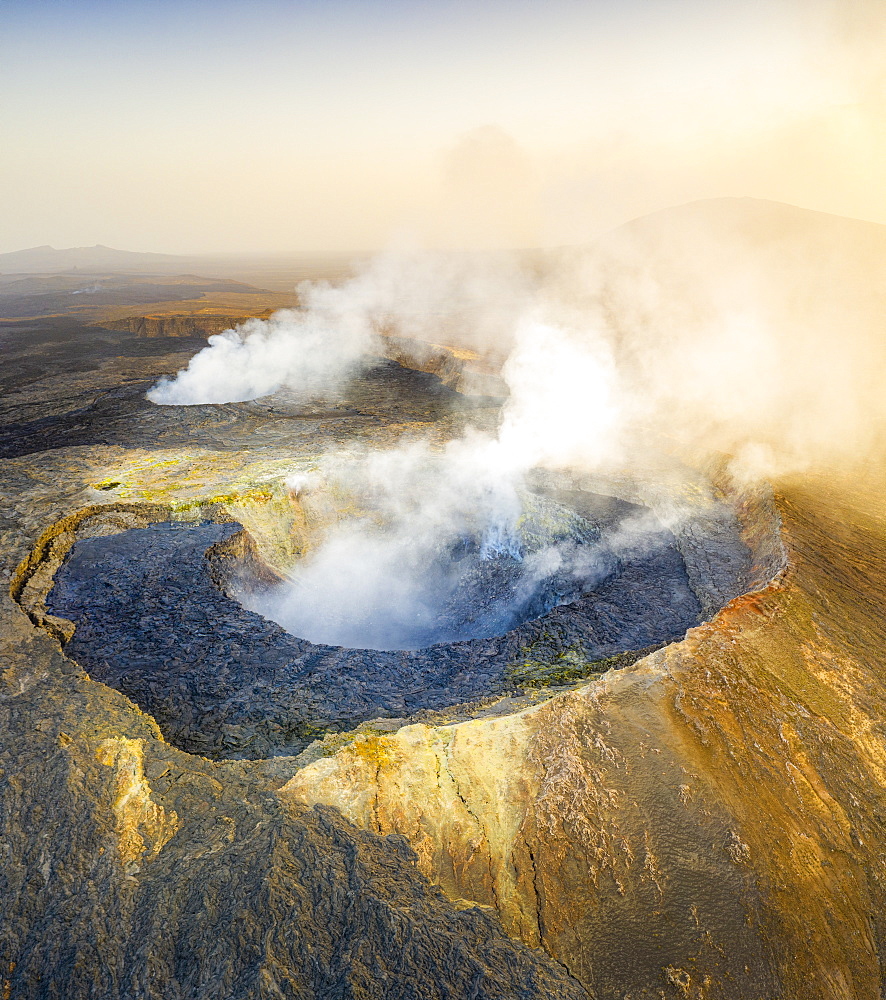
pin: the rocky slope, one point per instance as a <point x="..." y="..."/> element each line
<point x="662" y="825"/>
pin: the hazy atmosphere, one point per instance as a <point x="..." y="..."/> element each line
<point x="442" y="511"/>
<point x="211" y="127"/>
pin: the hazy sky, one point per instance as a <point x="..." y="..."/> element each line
<point x="190" y="126"/>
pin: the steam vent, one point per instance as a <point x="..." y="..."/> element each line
<point x="361" y="687"/>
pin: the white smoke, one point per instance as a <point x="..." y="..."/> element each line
<point x="452" y="299"/>
<point x="749" y="331"/>
<point x="310" y="349"/>
<point x="448" y="545"/>
<point x="385" y="579"/>
<point x="565" y="396"/>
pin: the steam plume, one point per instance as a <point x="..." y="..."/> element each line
<point x="457" y="299"/>
<point x="748" y="329"/>
<point x="449" y="546"/>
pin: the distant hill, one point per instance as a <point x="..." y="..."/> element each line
<point x="755" y="222"/>
<point x="763" y="249"/>
<point x="281" y="272"/>
<point x="48" y="260"/>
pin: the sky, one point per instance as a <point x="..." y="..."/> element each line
<point x="198" y="127"/>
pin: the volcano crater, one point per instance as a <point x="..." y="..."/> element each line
<point x="160" y="615"/>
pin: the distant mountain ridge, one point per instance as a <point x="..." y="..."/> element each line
<point x="755" y="221"/>
<point x="47" y="259"/>
<point x="281" y="272"/>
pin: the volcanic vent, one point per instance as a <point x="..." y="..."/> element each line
<point x="454" y="573"/>
<point x="236" y="659"/>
